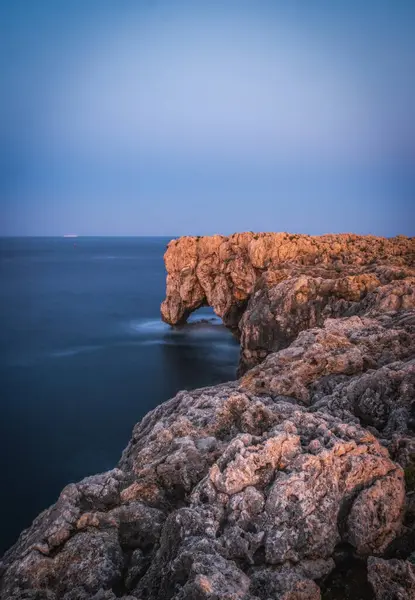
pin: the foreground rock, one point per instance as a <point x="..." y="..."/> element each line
<point x="220" y="494"/>
<point x="286" y="484"/>
<point x="392" y="579"/>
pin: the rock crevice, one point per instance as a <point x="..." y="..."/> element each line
<point x="268" y="287"/>
<point x="294" y="481"/>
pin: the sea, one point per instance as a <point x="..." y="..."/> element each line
<point x="84" y="355"/>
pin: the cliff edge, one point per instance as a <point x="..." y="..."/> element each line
<point x="295" y="482"/>
<point x="268" y="287"/>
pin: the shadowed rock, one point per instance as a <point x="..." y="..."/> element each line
<point x="267" y="487"/>
<point x="220" y="493"/>
<point x="392" y="579"/>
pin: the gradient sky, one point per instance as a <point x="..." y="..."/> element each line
<point x="176" y="117"/>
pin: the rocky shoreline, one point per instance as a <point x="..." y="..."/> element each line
<point x="295" y="482"/>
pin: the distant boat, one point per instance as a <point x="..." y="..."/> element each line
<point x="70" y="235"/>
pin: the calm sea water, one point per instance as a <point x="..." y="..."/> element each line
<point x="83" y="356"/>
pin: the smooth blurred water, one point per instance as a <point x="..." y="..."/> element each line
<point x="83" y="356"/>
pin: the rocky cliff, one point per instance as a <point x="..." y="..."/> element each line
<point x="296" y="481"/>
<point x="268" y="287"/>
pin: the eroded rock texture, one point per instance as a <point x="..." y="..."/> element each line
<point x="220" y="494"/>
<point x="392" y="579"/>
<point x="268" y="287"/>
<point x="222" y="271"/>
<point x="295" y="482"/>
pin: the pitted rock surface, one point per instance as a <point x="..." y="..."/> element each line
<point x="268" y="287"/>
<point x="222" y="271"/>
<point x="276" y="314"/>
<point x="346" y="346"/>
<point x="392" y="579"/>
<point x="220" y="493"/>
<point x="269" y="486"/>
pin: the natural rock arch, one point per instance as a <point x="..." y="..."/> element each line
<point x="223" y="272"/>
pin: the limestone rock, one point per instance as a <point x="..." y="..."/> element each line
<point x="383" y="399"/>
<point x="269" y="287"/>
<point x="392" y="579"/>
<point x="248" y="494"/>
<point x="267" y="486"/>
<point x="276" y="314"/>
<point x="222" y="271"/>
<point x="347" y="346"/>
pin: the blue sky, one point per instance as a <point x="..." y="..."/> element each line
<point x="194" y="117"/>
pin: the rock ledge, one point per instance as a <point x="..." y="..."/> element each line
<point x="288" y="483"/>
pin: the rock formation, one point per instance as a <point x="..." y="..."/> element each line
<point x="222" y="271"/>
<point x="268" y="287"/>
<point x="392" y="578"/>
<point x="287" y="484"/>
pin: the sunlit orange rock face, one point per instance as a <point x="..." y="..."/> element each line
<point x="222" y="271"/>
<point x="296" y="480"/>
<point x="268" y="287"/>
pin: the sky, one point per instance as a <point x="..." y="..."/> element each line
<point x="197" y="117"/>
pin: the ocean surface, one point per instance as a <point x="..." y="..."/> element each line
<point x="83" y="356"/>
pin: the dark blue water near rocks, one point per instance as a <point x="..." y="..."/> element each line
<point x="83" y="356"/>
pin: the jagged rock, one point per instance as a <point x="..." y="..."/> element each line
<point x="285" y="584"/>
<point x="276" y="314"/>
<point x="264" y="487"/>
<point x="392" y="579"/>
<point x="346" y="346"/>
<point x="245" y="482"/>
<point x="222" y="271"/>
<point x="382" y="398"/>
<point x="269" y="287"/>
